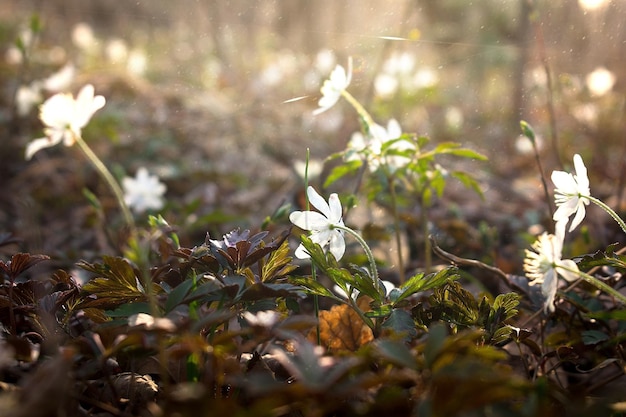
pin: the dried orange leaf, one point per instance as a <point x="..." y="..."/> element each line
<point x="341" y="328"/>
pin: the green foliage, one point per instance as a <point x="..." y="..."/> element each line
<point x="457" y="306"/>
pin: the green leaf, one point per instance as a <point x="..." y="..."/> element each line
<point x="260" y="291"/>
<point x="314" y="287"/>
<point x="342" y="170"/>
<point x="178" y="294"/>
<point x="92" y="198"/>
<point x="116" y="283"/>
<point x="451" y="148"/>
<point x="419" y="283"/>
<point x="278" y="264"/>
<point x="592" y="337"/>
<point x="380" y="312"/>
<point x="127" y="310"/>
<point x="400" y="321"/>
<point x="468" y="181"/>
<point x="396" y="352"/>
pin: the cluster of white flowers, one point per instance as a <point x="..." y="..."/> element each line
<point x="370" y="148"/>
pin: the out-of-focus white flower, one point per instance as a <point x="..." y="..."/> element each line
<point x="570" y="194"/>
<point x="151" y="323"/>
<point x="399" y="64"/>
<point x="83" y="37"/>
<point x="386" y="85"/>
<point x="60" y="80"/>
<point x="267" y="318"/>
<point x="524" y="146"/>
<point x="592" y="4"/>
<point x="324" y="60"/>
<point x="543" y="265"/>
<point x="137" y="62"/>
<point x="454" y="118"/>
<point x="331" y="89"/>
<point x="600" y="81"/>
<point x="144" y="192"/>
<point x="315" y="168"/>
<point x="27" y="97"/>
<point x="64" y="118"/>
<point x="586" y="113"/>
<point x="116" y="51"/>
<point x="425" y="78"/>
<point x="322" y="225"/>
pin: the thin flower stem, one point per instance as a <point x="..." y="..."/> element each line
<point x="596" y="283"/>
<point x="368" y="252"/>
<point x="368" y="321"/>
<point x="316" y="303"/>
<point x="608" y="210"/>
<point x="108" y="177"/>
<point x="367" y="118"/>
<point x="396" y="226"/>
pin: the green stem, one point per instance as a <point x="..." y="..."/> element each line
<point x="596" y="283"/>
<point x="396" y="225"/>
<point x="108" y="177"/>
<point x="368" y="252"/>
<point x="608" y="210"/>
<point x="316" y="302"/>
<point x="362" y="315"/>
<point x="367" y="118"/>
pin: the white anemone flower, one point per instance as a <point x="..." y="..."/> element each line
<point x="144" y="192"/>
<point x="64" y="118"/>
<point x="571" y="193"/>
<point x="323" y="225"/>
<point x="543" y="265"/>
<point x="331" y="89"/>
<point x="371" y="147"/>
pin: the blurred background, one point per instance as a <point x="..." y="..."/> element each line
<point x="216" y="98"/>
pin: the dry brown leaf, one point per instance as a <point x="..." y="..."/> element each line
<point x="341" y="328"/>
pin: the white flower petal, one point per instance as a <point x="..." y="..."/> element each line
<point x="337" y="245"/>
<point x="564" y="182"/>
<point x="38" y="144"/>
<point x="308" y="220"/>
<point x="569" y="272"/>
<point x="579" y="217"/>
<point x="318" y="201"/>
<point x="581" y="173"/>
<point x="335" y="209"/>
<point x="301" y="252"/>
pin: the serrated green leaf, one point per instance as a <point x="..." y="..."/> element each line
<point x="508" y="302"/>
<point x="277" y="264"/>
<point x="419" y="282"/>
<point x="116" y="283"/>
<point x="313" y="287"/>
